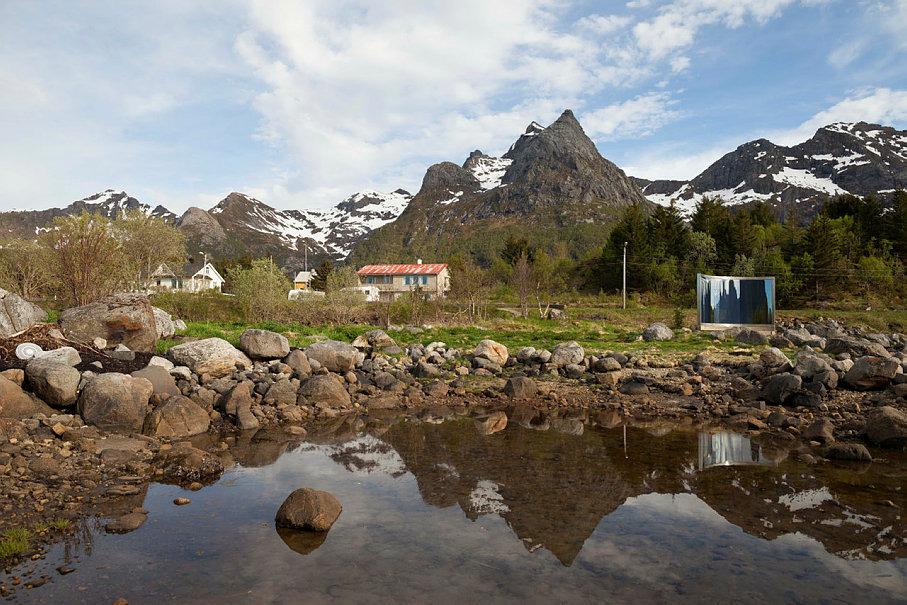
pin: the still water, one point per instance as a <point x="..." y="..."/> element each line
<point x="547" y="510"/>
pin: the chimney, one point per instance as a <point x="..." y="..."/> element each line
<point x="418" y="261"/>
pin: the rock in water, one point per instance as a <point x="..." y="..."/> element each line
<point x="848" y="451"/>
<point x="126" y="319"/>
<point x="657" y="331"/>
<point x="520" y="387"/>
<point x="308" y="509"/>
<point x="213" y="356"/>
<point x="493" y="423"/>
<point x="17" y="314"/>
<point x="333" y="355"/>
<point x="115" y="402"/>
<point x="263" y="344"/>
<point x="325" y="392"/>
<point x="493" y="351"/>
<point x="179" y="417"/>
<point x="238" y="404"/>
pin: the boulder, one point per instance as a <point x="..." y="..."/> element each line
<point x="871" y="372"/>
<point x="525" y="354"/>
<point x="67" y="355"/>
<point x="887" y="426"/>
<point x="374" y="340"/>
<point x="162" y="382"/>
<point x="54" y="382"/>
<point x="164" y="323"/>
<point x="308" y="509"/>
<point x="119" y="319"/>
<point x="15" y="403"/>
<point x="606" y="364"/>
<point x="749" y="336"/>
<point x="779" y="388"/>
<point x="324" y="391"/>
<point x="567" y="353"/>
<point x="281" y="392"/>
<point x="17" y="314"/>
<point x="115" y="402"/>
<point x="493" y="423"/>
<point x="213" y="356"/>
<point x="237" y="404"/>
<point x="773" y="357"/>
<point x="821" y="430"/>
<point x="423" y="369"/>
<point x="520" y="387"/>
<point x="263" y="344"/>
<point x="848" y="451"/>
<point x="657" y="331"/>
<point x="855" y="347"/>
<point x="178" y="417"/>
<point x="297" y="360"/>
<point x="333" y="355"/>
<point x="161" y="362"/>
<point x="493" y="351"/>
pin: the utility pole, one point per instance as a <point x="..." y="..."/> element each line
<point x="305" y="247"/>
<point x="625" y="275"/>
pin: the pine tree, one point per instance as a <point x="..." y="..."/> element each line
<point x="824" y="248"/>
<point x="895" y="224"/>
<point x="320" y="278"/>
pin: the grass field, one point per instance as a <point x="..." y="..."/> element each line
<point x="596" y="328"/>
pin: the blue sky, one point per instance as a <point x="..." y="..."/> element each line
<point x="304" y="103"/>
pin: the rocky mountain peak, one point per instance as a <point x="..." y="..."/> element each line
<point x="202" y="228"/>
<point x="448" y="176"/>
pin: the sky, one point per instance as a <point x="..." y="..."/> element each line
<point x="303" y="103"/>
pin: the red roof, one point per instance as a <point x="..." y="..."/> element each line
<point x="413" y="269"/>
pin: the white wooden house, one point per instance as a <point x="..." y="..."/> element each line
<point x="193" y="277"/>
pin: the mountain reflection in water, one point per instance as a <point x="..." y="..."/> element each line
<point x="562" y="509"/>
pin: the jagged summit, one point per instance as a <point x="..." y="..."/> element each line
<point x="844" y="157"/>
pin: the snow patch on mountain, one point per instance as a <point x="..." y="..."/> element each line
<point x="489" y="171"/>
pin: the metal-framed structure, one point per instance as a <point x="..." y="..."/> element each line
<point x="741" y="302"/>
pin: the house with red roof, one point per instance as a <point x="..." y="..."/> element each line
<point x="393" y="281"/>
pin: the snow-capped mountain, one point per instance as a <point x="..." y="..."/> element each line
<point x="552" y="185"/>
<point x="240" y="224"/>
<point x="857" y="158"/>
<point x="109" y="203"/>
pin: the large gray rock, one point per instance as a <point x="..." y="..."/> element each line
<point x="16" y="403"/>
<point x="164" y="323"/>
<point x="161" y="380"/>
<point x="567" y="353"/>
<point x="17" y="314"/>
<point x="780" y="387"/>
<point x="871" y="372"/>
<point x="308" y="509"/>
<point x="66" y="355"/>
<point x="334" y="355"/>
<point x="493" y="351"/>
<point x="821" y="430"/>
<point x="773" y="357"/>
<point x="374" y="340"/>
<point x="54" y="382"/>
<point x="126" y="319"/>
<point x="521" y="387"/>
<point x="213" y="356"/>
<point x="855" y="347"/>
<point x="263" y="344"/>
<point x="178" y="417"/>
<point x="115" y="402"/>
<point x="657" y="331"/>
<point x="237" y="404"/>
<point x="325" y="392"/>
<point x="748" y="336"/>
<point x="297" y="360"/>
<point x="848" y="451"/>
<point x="887" y="426"/>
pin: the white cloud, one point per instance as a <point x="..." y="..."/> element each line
<point x="846" y="54"/>
<point x="675" y="162"/>
<point x="677" y="24"/>
<point x="879" y="105"/>
<point x="633" y="118"/>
